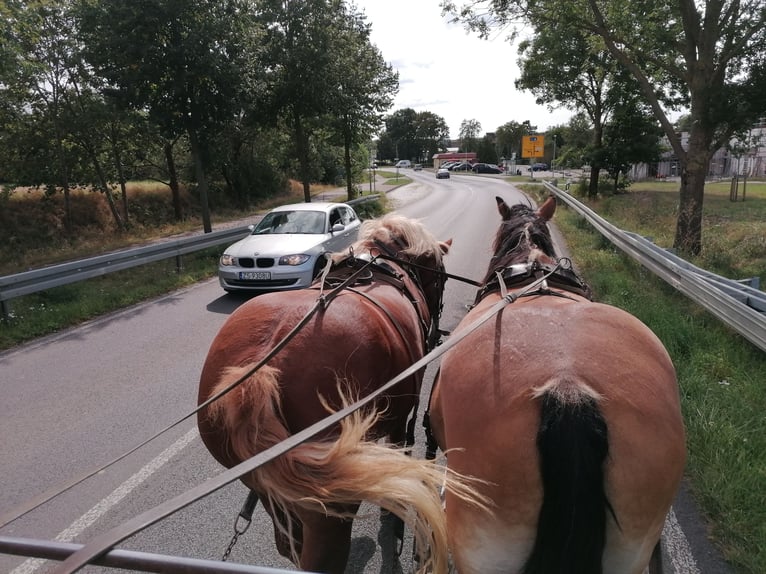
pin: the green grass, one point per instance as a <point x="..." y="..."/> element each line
<point x="721" y="375"/>
<point x="49" y="311"/>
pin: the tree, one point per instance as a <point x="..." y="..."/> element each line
<point x="431" y="135"/>
<point x="190" y="65"/>
<point x="632" y="136"/>
<point x="706" y="55"/>
<point x="299" y="62"/>
<point x="509" y="136"/>
<point x="469" y="134"/>
<point x="401" y="128"/>
<point x="366" y="86"/>
<point x="412" y="135"/>
<point x="562" y="65"/>
<point x="577" y="136"/>
<point x="43" y="75"/>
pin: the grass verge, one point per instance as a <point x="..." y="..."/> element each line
<point x="721" y="375"/>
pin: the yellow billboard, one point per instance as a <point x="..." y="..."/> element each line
<point x="532" y="146"/>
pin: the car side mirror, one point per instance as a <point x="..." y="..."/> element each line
<point x="337" y="227"/>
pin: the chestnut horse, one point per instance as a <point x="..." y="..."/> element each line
<point x="368" y="332"/>
<point x="566" y="409"/>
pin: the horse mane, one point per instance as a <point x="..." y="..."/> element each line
<point x="405" y="235"/>
<point x="521" y="238"/>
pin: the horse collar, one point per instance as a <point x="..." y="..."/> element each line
<point x="520" y="274"/>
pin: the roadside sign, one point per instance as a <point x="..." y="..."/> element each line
<point x="532" y="146"/>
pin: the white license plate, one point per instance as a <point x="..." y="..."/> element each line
<point x="254" y="275"/>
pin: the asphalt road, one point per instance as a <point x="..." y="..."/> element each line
<point x="80" y="398"/>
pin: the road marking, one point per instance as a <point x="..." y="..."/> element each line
<point x="677" y="546"/>
<point x="86" y="520"/>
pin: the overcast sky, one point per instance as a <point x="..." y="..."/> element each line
<point x="450" y="72"/>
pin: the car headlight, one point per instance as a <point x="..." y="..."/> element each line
<point x="227" y="259"/>
<point x="297" y="259"/>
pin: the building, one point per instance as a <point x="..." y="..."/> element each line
<point x="741" y="158"/>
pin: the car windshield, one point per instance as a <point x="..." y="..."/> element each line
<point x="291" y="222"/>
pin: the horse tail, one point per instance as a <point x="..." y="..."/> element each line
<point x="329" y="476"/>
<point x="573" y="445"/>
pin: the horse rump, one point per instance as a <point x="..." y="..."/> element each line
<point x="331" y="476"/>
<point x="573" y="445"/>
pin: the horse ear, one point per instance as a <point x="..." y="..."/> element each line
<point x="547" y="209"/>
<point x="445" y="245"/>
<point x="502" y="207"/>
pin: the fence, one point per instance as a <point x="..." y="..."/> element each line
<point x="739" y="306"/>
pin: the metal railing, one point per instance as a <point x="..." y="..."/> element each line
<point x="12" y="286"/>
<point x="739" y="306"/>
<point x="27" y="282"/>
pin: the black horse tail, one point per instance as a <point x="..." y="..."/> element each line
<point x="573" y="445"/>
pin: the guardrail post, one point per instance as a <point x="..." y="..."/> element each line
<point x="6" y="309"/>
<point x="179" y="263"/>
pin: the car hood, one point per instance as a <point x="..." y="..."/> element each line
<point x="275" y="244"/>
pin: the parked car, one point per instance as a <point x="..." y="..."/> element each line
<point x="403" y="163"/>
<point x="417" y="167"/>
<point x="287" y="248"/>
<point x="538" y="167"/>
<point x="462" y="166"/>
<point x="486" y="168"/>
<point x="442" y="173"/>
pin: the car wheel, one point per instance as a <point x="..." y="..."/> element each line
<point x="320" y="263"/>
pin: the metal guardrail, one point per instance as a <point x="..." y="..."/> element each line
<point x="738" y="306"/>
<point x="12" y="286"/>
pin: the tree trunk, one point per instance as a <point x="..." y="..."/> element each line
<point x="105" y="188"/>
<point x="120" y="171"/>
<point x="347" y="161"/>
<point x="199" y="171"/>
<point x="302" y="145"/>
<point x="174" y="187"/>
<point x="595" y="171"/>
<point x="694" y="166"/>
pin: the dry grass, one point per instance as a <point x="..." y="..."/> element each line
<point x="33" y="232"/>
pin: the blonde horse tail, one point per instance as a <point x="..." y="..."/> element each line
<point x="328" y="476"/>
<point x="573" y="445"/>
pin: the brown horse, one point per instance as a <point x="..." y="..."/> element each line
<point x="566" y="408"/>
<point x="366" y="333"/>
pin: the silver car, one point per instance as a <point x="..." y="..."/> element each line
<point x="286" y="249"/>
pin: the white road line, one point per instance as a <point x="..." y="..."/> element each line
<point x="78" y="526"/>
<point x="677" y="547"/>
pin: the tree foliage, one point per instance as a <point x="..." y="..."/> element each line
<point x="469" y="135"/>
<point x="412" y="135"/>
<point x="705" y="55"/>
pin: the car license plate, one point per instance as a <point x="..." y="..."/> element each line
<point x="254" y="275"/>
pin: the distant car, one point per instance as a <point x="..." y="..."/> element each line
<point x="442" y="173"/>
<point x="538" y="167"/>
<point x="486" y="168"/>
<point x="287" y="248"/>
<point x="462" y="166"/>
<point x="417" y="167"/>
<point x="403" y="163"/>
